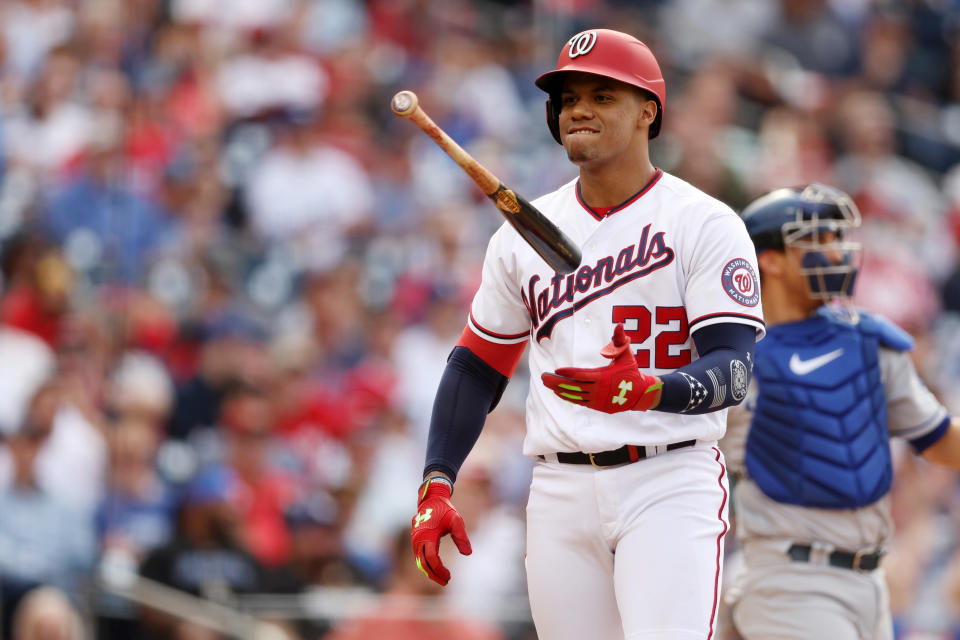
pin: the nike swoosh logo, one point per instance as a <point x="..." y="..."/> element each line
<point x="803" y="367"/>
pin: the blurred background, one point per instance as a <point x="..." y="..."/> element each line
<point x="230" y="278"/>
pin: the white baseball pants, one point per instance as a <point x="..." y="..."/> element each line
<point x="633" y="552"/>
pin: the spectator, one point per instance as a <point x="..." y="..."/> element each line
<point x="792" y="149"/>
<point x="897" y="197"/>
<point x="43" y="541"/>
<point x="232" y="350"/>
<point x="52" y="127"/>
<point x="260" y="491"/>
<point x="25" y="362"/>
<point x="139" y="388"/>
<point x="39" y="283"/>
<point x="904" y="214"/>
<point x="309" y="195"/>
<point x="46" y="614"/>
<point x="318" y="554"/>
<point x="423" y="347"/>
<point x="71" y="463"/>
<point x="102" y="211"/>
<point x="297" y="82"/>
<point x="135" y="516"/>
<point x="815" y="36"/>
<point x="36" y="286"/>
<point x="702" y="128"/>
<point x="388" y="466"/>
<point x="207" y="556"/>
<point x="698" y="29"/>
<point x="31" y="30"/>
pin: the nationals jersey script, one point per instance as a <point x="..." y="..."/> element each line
<point x="666" y="263"/>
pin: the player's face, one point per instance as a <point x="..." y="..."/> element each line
<point x="601" y="119"/>
<point x="797" y="279"/>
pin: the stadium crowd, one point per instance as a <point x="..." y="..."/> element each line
<point x="230" y="277"/>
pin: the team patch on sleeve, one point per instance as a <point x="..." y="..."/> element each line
<point x="739" y="379"/>
<point x="740" y="282"/>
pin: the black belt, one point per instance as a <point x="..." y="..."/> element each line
<point x="623" y="455"/>
<point x="856" y="560"/>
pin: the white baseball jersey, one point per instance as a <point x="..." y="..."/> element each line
<point x="667" y="262"/>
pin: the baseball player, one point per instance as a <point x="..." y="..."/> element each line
<point x="628" y="502"/>
<point x="810" y="446"/>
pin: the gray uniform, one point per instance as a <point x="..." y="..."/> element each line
<point x="778" y="598"/>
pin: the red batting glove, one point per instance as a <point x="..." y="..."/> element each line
<point x="617" y="387"/>
<point x="436" y="517"/>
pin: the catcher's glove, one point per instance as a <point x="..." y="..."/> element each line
<point x="436" y="517"/>
<point x="619" y="386"/>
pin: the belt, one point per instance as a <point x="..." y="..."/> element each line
<point x="624" y="455"/>
<point x="856" y="560"/>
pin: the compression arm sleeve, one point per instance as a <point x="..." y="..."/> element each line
<point x="469" y="389"/>
<point x="718" y="378"/>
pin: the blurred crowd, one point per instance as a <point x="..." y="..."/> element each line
<point x="230" y="278"/>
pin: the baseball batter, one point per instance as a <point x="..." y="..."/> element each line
<point x="628" y="503"/>
<point x="810" y="446"/>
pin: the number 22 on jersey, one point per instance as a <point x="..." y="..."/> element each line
<point x="639" y="323"/>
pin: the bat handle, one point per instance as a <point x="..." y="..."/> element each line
<point x="404" y="103"/>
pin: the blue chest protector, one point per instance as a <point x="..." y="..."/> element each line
<point x="819" y="432"/>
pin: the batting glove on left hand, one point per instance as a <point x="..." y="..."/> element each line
<point x="617" y="387"/>
<point x="436" y="517"/>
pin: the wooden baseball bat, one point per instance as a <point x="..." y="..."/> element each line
<point x="558" y="250"/>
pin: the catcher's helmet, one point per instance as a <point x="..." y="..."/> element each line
<point x="795" y="218"/>
<point x="607" y="53"/>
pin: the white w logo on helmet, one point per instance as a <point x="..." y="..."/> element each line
<point x="582" y="43"/>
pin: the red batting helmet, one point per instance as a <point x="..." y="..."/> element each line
<point x="607" y="53"/>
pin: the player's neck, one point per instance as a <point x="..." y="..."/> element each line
<point x="614" y="183"/>
<point x="781" y="305"/>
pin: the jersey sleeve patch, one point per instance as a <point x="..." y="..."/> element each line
<point x="740" y="282"/>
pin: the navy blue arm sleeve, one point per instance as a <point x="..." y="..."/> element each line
<point x="718" y="378"/>
<point x="468" y="391"/>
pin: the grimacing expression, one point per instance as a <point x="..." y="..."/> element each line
<point x="601" y="118"/>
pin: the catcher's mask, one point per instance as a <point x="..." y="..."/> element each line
<point x="607" y="53"/>
<point x="813" y="219"/>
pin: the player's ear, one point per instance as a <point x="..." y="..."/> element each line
<point x="648" y="108"/>
<point x="648" y="112"/>
<point x="770" y="262"/>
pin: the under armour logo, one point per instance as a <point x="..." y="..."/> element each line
<point x="582" y="43"/>
<point x="422" y="517"/>
<point x="622" y="398"/>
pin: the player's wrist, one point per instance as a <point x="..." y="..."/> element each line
<point x="652" y="394"/>
<point x="436" y="479"/>
<point x="649" y="395"/>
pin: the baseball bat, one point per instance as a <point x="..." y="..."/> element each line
<point x="557" y="250"/>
